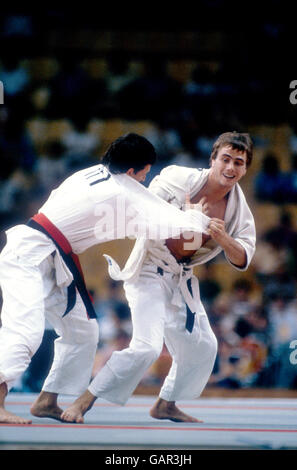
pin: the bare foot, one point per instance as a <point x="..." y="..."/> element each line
<point x="46" y="406"/>
<point x="163" y="409"/>
<point x="6" y="416"/>
<point x="10" y="418"/>
<point x="75" y="412"/>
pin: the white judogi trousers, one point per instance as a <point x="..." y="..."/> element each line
<point x="30" y="294"/>
<point x="156" y="319"/>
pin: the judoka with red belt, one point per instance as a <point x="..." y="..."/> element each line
<point x="41" y="277"/>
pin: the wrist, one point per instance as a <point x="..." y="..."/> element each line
<point x="224" y="241"/>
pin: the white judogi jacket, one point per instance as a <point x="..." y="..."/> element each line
<point x="89" y="207"/>
<point x="94" y="206"/>
<point x="173" y="183"/>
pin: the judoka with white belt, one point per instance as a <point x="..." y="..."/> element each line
<point x="41" y="277"/>
<point x="163" y="293"/>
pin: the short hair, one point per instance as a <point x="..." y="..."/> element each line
<point x="238" y="141"/>
<point x="129" y="151"/>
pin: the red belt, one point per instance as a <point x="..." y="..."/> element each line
<point x="43" y="224"/>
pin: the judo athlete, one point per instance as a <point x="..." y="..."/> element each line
<point x="41" y="276"/>
<point x="163" y="293"/>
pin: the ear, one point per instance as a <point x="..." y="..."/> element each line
<point x="130" y="172"/>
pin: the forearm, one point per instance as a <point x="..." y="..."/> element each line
<point x="234" y="251"/>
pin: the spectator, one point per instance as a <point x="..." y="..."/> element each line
<point x="116" y="343"/>
<point x="218" y="311"/>
<point x="201" y="93"/>
<point x="275" y="261"/>
<point x="226" y="372"/>
<point x="271" y="182"/>
<point x="209" y="287"/>
<point x="241" y="299"/>
<point x="292" y="182"/>
<point x="152" y="96"/>
<point x="253" y="329"/>
<point x="239" y="305"/>
<point x="51" y="167"/>
<point x="119" y="74"/>
<point x="17" y="158"/>
<point x="14" y="77"/>
<point x="39" y="101"/>
<point x="203" y="146"/>
<point x="255" y="323"/>
<point x="253" y="354"/>
<point x="239" y="363"/>
<point x="283" y="322"/>
<point x="201" y="85"/>
<point x="166" y="140"/>
<point x="115" y="323"/>
<point x="284" y="238"/>
<point x="114" y="313"/>
<point x="187" y="159"/>
<point x="12" y="193"/>
<point x="270" y="258"/>
<point x="79" y="140"/>
<point x="80" y="145"/>
<point x="16" y="143"/>
<point x="120" y="308"/>
<point x="97" y="97"/>
<point x="68" y="89"/>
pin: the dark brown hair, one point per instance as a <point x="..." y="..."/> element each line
<point x="238" y="141"/>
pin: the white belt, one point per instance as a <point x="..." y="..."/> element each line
<point x="185" y="278"/>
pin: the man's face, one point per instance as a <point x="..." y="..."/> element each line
<point x="229" y="166"/>
<point x="139" y="175"/>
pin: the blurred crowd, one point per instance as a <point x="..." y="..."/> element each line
<point x="256" y="321"/>
<point x="186" y="115"/>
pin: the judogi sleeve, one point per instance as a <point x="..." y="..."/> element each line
<point x="245" y="234"/>
<point x="153" y="217"/>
